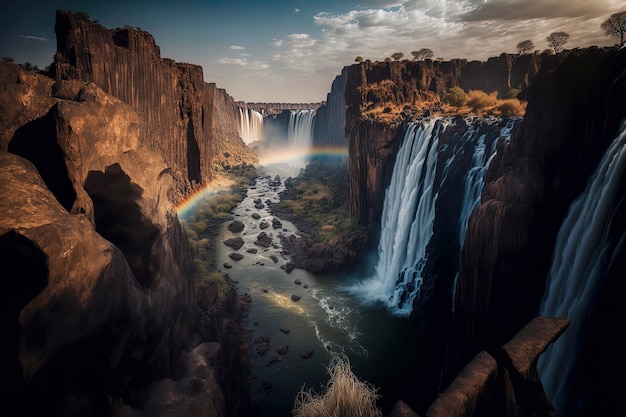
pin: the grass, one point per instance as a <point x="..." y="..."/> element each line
<point x="344" y="395"/>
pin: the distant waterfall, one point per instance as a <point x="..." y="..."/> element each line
<point x="250" y="125"/>
<point x="407" y="220"/>
<point x="300" y="129"/>
<point x="582" y="256"/>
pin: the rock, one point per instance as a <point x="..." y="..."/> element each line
<point x="274" y="258"/>
<point x="236" y="256"/>
<point x="295" y="298"/>
<point x="305" y="285"/>
<point x="234" y="242"/>
<point x="236" y="226"/>
<point x="257" y="201"/>
<point x="297" y="282"/>
<point x="274" y="358"/>
<point x="263" y="240"/>
<point x="282" y="349"/>
<point x="259" y="206"/>
<point x="256" y="216"/>
<point x="289" y="267"/>
<point x="276" y="224"/>
<point x="306" y="353"/>
<point x="285" y="329"/>
<point x="264" y="225"/>
<point x="252" y="250"/>
<point x="227" y="265"/>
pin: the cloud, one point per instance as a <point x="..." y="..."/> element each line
<point x="296" y="10"/>
<point x="37" y="38"/>
<point x="242" y="54"/>
<point x="236" y="47"/>
<point x="515" y="10"/>
<point x="277" y="43"/>
<point x="232" y="61"/>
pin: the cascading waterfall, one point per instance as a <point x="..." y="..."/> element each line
<point x="300" y="129"/>
<point x="474" y="182"/>
<point x="250" y="125"/>
<point x="407" y="221"/>
<point x="582" y="256"/>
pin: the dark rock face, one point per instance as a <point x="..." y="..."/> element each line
<point x="190" y="123"/>
<point x="329" y="127"/>
<point x="98" y="302"/>
<point x="575" y="106"/>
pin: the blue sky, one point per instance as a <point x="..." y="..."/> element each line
<point x="291" y="50"/>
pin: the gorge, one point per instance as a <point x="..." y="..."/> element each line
<point x="459" y="230"/>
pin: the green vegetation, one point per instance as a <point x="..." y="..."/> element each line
<point x="422" y="54"/>
<point x="344" y="396"/>
<point x="556" y="40"/>
<point x="318" y="200"/>
<point x="513" y="93"/>
<point x="615" y="25"/>
<point x="479" y="100"/>
<point x="397" y="55"/>
<point x="525" y="46"/>
<point x="455" y="96"/>
<point x="358" y="59"/>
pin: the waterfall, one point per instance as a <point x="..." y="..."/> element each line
<point x="300" y="129"/>
<point x="582" y="256"/>
<point x="250" y="125"/>
<point x="407" y="220"/>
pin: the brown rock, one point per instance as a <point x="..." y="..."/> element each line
<point x="234" y="242"/>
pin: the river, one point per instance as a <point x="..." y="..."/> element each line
<point x="326" y="319"/>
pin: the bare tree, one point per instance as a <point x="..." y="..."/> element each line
<point x="556" y="40"/>
<point x="524" y="46"/>
<point x="397" y="55"/>
<point x="422" y="54"/>
<point x="615" y="26"/>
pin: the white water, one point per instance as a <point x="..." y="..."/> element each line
<point x="250" y="125"/>
<point x="300" y="129"/>
<point x="407" y="221"/>
<point x="582" y="255"/>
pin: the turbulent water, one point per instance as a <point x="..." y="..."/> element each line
<point x="326" y="319"/>
<point x="582" y="256"/>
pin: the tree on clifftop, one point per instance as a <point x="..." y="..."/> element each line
<point x="556" y="40"/>
<point x="358" y="59"/>
<point x="422" y="54"/>
<point x="615" y="26"/>
<point x="397" y="55"/>
<point x="525" y="46"/>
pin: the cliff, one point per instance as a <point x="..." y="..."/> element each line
<point x="406" y="86"/>
<point x="98" y="303"/>
<point x="576" y="105"/>
<point x="182" y="118"/>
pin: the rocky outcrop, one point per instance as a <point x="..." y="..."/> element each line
<point x="190" y="123"/>
<point x="505" y="383"/>
<point x="97" y="296"/>
<point x="576" y="104"/>
<point x="330" y="121"/>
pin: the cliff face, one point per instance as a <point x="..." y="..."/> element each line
<point x="181" y="117"/>
<point x="407" y="83"/>
<point x="576" y="104"/>
<point x="97" y="296"/>
<point x="330" y="120"/>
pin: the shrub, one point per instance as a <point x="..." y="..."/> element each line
<point x="479" y="100"/>
<point x="513" y="92"/>
<point x="345" y="395"/>
<point x="511" y="108"/>
<point x="455" y="97"/>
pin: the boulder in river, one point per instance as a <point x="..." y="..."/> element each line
<point x="295" y="297"/>
<point x="306" y="353"/>
<point x="234" y="242"/>
<point x="263" y="240"/>
<point x="276" y="224"/>
<point x="236" y="226"/>
<point x="236" y="256"/>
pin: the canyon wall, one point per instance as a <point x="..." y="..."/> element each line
<point x="405" y="85"/>
<point x="575" y="108"/>
<point x="184" y="119"/>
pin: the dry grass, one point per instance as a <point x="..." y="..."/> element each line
<point x="344" y="396"/>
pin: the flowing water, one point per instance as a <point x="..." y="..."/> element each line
<point x="326" y="319"/>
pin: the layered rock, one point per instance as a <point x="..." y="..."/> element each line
<point x="190" y="123"/>
<point x="330" y="120"/>
<point x="576" y="104"/>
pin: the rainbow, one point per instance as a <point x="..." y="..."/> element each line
<point x="190" y="203"/>
<point x="295" y="155"/>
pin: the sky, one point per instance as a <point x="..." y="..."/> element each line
<point x="291" y="50"/>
